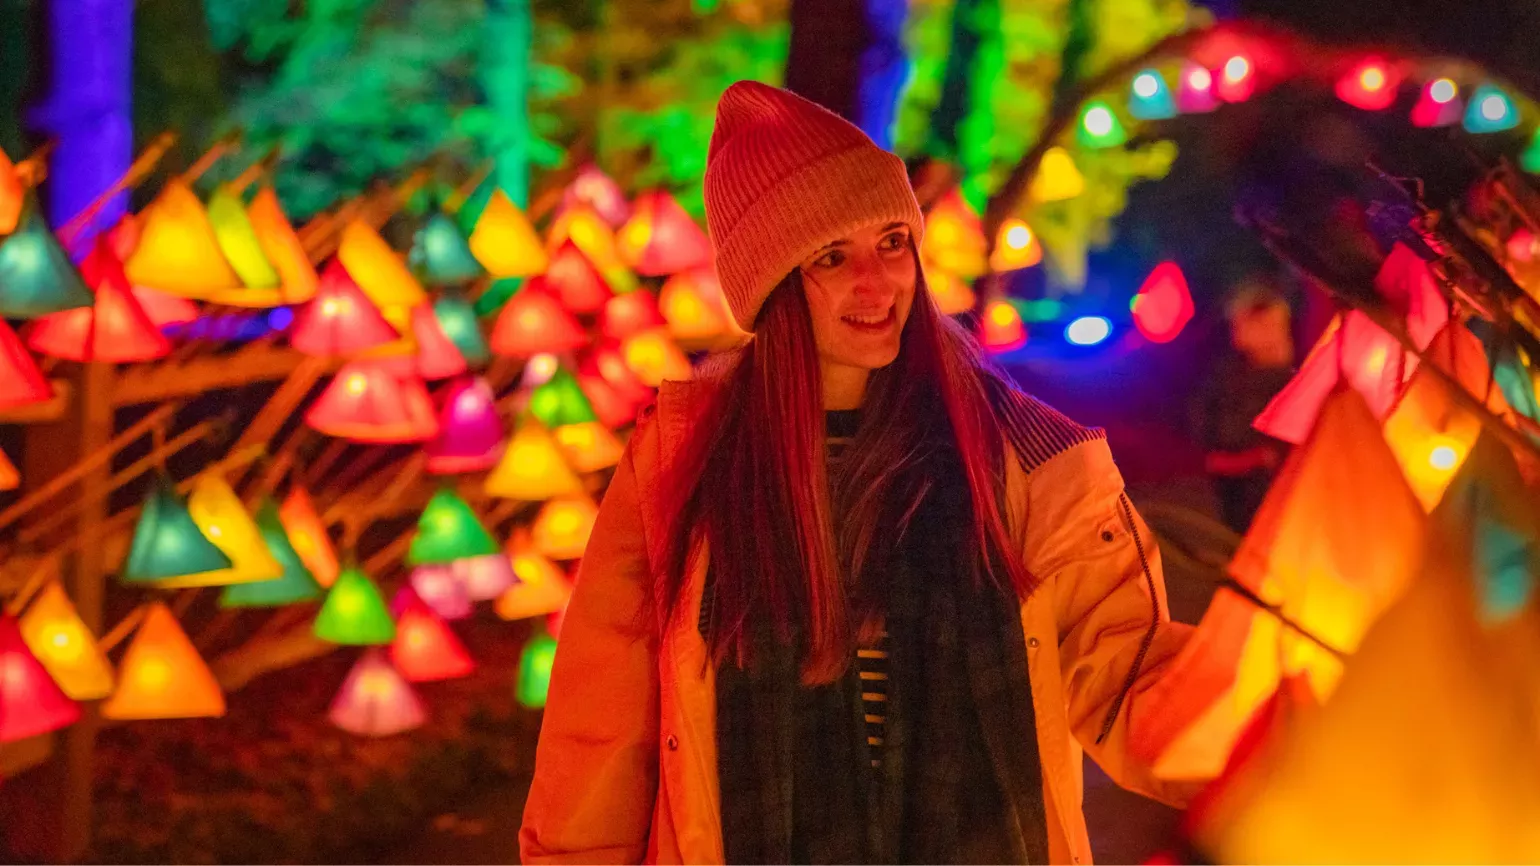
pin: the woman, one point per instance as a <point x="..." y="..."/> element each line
<point x="838" y="583"/>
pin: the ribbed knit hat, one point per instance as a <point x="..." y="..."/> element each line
<point x="785" y="176"/>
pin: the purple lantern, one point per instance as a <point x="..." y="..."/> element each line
<point x="470" y="436"/>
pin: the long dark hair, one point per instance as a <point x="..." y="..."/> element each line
<point x="751" y="481"/>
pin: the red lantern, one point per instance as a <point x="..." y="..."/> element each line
<point x="1237" y="79"/>
<point x="163" y="309"/>
<point x="574" y="280"/>
<point x="613" y="408"/>
<point x="661" y="239"/>
<point x="629" y="314"/>
<point x="1164" y="305"/>
<point x="435" y="357"/>
<point x="31" y="703"/>
<point x="340" y="319"/>
<point x="533" y="322"/>
<point x="1439" y="104"/>
<point x="425" y="649"/>
<point x="609" y="360"/>
<point x="1371" y="85"/>
<point x="21" y="382"/>
<point x="368" y="403"/>
<point x="1003" y="330"/>
<point x="115" y="330"/>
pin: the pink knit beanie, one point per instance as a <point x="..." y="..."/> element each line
<point x="785" y="176"/>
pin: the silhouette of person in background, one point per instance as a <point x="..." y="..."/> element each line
<point x="1257" y="365"/>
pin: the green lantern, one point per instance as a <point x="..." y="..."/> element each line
<point x="354" y="612"/>
<point x="535" y="670"/>
<point x="457" y="319"/>
<point x="561" y="401"/>
<point x="36" y="277"/>
<point x="441" y="255"/>
<point x="449" y="530"/>
<point x="497" y="294"/>
<point x="1100" y="127"/>
<point x="295" y="584"/>
<point x="1530" y="158"/>
<point x="167" y="543"/>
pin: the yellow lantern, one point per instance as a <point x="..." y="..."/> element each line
<point x="238" y="240"/>
<point x="225" y="522"/>
<point x="951" y="294"/>
<point x="954" y="237"/>
<point x="1016" y="247"/>
<point x="542" y="588"/>
<point x="653" y="357"/>
<point x="377" y="269"/>
<point x="178" y="251"/>
<point x="563" y="525"/>
<point x="589" y="445"/>
<point x="504" y="241"/>
<point x="1057" y="178"/>
<point x="10" y="479"/>
<point x="162" y="675"/>
<point x="282" y="248"/>
<point x="532" y="467"/>
<point x="694" y="306"/>
<point x="58" y="637"/>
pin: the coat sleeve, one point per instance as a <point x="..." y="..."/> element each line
<point x="596" y="767"/>
<point x="1116" y="637"/>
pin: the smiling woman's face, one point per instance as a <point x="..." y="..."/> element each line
<point x="859" y="291"/>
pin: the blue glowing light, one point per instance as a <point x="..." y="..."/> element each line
<point x="1088" y="330"/>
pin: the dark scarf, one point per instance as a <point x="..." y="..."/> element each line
<point x="960" y="779"/>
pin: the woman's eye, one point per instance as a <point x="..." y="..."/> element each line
<point x="895" y="241"/>
<point x="831" y="259"/>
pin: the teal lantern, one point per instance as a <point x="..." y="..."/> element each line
<point x="535" y="670"/>
<point x="457" y="318"/>
<point x="449" y="530"/>
<point x="1490" y="110"/>
<point x="1149" y="98"/>
<point x="36" y="276"/>
<point x="441" y="255"/>
<point x="295" y="584"/>
<point x="167" y="542"/>
<point x="561" y="401"/>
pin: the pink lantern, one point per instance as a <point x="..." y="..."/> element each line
<point x="484" y="577"/>
<point x="441" y="589"/>
<point x="470" y="435"/>
<point x="375" y="700"/>
<point x="661" y="239"/>
<point x="595" y="189"/>
<point x="31" y="703"/>
<point x="368" y="403"/>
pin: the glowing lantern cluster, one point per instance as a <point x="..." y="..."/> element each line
<point x="1163" y="306"/>
<point x="954" y="237"/>
<point x="57" y="636"/>
<point x="178" y="250"/>
<point x="375" y="701"/>
<point x="574" y="280"/>
<point x="1371" y="85"/>
<point x="504" y="241"/>
<point x="694" y="307"/>
<point x="162" y="676"/>
<point x="167" y="542"/>
<point x="354" y="613"/>
<point x="1439" y="104"/>
<point x="1150" y="98"/>
<point x="654" y="358"/>
<point x="367" y="402"/>
<point x="116" y="329"/>
<point x="1002" y="327"/>
<point x="661" y="239"/>
<point x="36" y="276"/>
<point x="425" y="649"/>
<point x="632" y="312"/>
<point x="222" y="519"/>
<point x="449" y="530"/>
<point x="470" y="436"/>
<point x="1016" y="246"/>
<point x="440" y="588"/>
<point x="31" y="703"/>
<point x="542" y="588"/>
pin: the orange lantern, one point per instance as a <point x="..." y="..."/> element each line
<point x="574" y="280"/>
<point x="661" y="239"/>
<point x="31" y="703"/>
<point x="542" y="588"/>
<point x="21" y="382"/>
<point x="425" y="649"/>
<point x="532" y="467"/>
<point x="951" y="294"/>
<point x="178" y="251"/>
<point x="10" y="479"/>
<point x="283" y="248"/>
<point x="58" y="637"/>
<point x="609" y="405"/>
<point x="377" y="269"/>
<point x="368" y="403"/>
<point x="609" y="361"/>
<point x="954" y="237"/>
<point x="654" y="358"/>
<point x="533" y="322"/>
<point x="589" y="446"/>
<point x="308" y="535"/>
<point x="626" y="314"/>
<point x="162" y="675"/>
<point x="12" y="194"/>
<point x="563" y="525"/>
<point x="504" y="241"/>
<point x="115" y="330"/>
<point x="695" y="307"/>
<point x="1016" y="246"/>
<point x="1003" y="330"/>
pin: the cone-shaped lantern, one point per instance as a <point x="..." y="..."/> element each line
<point x="597" y="191"/>
<point x="457" y="319"/>
<point x="533" y="322"/>
<point x="560" y="401"/>
<point x="694" y="306"/>
<point x="535" y="670"/>
<point x="441" y="255"/>
<point x="163" y="309"/>
<point x="367" y="403"/>
<point x="485" y="577"/>
<point x="10" y="479"/>
<point x="1439" y="104"/>
<point x="1150" y="98"/>
<point x="1490" y="110"/>
<point x="354" y="613"/>
<point x="425" y="649"/>
<point x="59" y="638"/>
<point x="1057" y="178"/>
<point x="563" y="525"/>
<point x="21" y="382"/>
<point x="162" y="676"/>
<point x="449" y="530"/>
<point x="1100" y="127"/>
<point x="305" y="531"/>
<point x="1195" y="91"/>
<point x="585" y="228"/>
<point x="661" y="239"/>
<point x="532" y="467"/>
<point x="954" y="237"/>
<point x="574" y="280"/>
<point x="31" y="703"/>
<point x="951" y="294"/>
<point x="630" y="313"/>
<point x="167" y="542"/>
<point x="238" y="241"/>
<point x="12" y="195"/>
<point x="1002" y="327"/>
<point x="296" y="584"/>
<point x="178" y="251"/>
<point x="589" y="446"/>
<point x="340" y="319"/>
<point x="283" y="248"/>
<point x="1016" y="247"/>
<point x="36" y="276"/>
<point x="115" y="330"/>
<point x="504" y="241"/>
<point x="375" y="701"/>
<point x="224" y="521"/>
<point x="434" y="356"/>
<point x="542" y="588"/>
<point x="377" y="269"/>
<point x="440" y="588"/>
<point x="609" y="360"/>
<point x="612" y="407"/>
<point x="654" y="358"/>
<point x="470" y="435"/>
<point x="1163" y="306"/>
